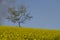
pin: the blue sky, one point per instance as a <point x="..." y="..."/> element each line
<point x="46" y="13"/>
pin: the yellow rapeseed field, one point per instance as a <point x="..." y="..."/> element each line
<point x="15" y="33"/>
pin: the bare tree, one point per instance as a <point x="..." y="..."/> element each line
<point x="18" y="16"/>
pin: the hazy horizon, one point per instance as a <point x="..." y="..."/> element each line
<point x="46" y="13"/>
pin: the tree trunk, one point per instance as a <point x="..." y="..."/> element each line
<point x="19" y="24"/>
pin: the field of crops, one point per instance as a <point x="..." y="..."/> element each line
<point x="14" y="33"/>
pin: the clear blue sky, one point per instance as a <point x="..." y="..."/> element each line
<point x="46" y="13"/>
